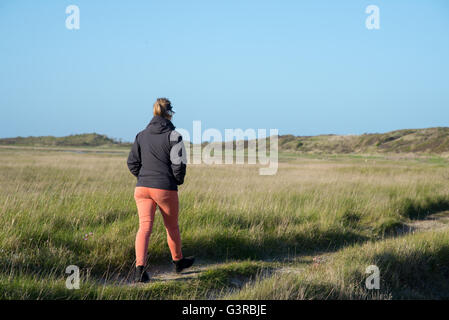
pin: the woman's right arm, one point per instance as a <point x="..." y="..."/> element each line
<point x="178" y="157"/>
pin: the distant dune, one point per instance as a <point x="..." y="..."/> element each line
<point x="77" y="140"/>
<point x="430" y="140"/>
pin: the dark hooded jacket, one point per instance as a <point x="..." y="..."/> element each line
<point x="156" y="156"/>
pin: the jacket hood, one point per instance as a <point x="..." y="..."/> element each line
<point x="160" y="125"/>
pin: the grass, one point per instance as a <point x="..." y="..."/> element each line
<point x="217" y="281"/>
<point x="412" y="267"/>
<point x="248" y="224"/>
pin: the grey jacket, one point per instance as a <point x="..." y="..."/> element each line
<point x="158" y="157"/>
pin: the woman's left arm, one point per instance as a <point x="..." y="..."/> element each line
<point x="134" y="160"/>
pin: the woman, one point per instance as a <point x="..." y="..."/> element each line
<point x="157" y="159"/>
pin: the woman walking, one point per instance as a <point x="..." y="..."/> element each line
<point x="157" y="160"/>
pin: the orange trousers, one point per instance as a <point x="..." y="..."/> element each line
<point x="147" y="199"/>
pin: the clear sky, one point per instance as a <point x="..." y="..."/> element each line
<point x="303" y="67"/>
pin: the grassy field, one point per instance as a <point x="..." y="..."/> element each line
<point x="308" y="232"/>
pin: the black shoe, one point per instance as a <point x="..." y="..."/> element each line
<point x="183" y="263"/>
<point x="141" y="275"/>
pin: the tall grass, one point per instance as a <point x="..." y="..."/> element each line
<point x="412" y="267"/>
<point x="50" y="200"/>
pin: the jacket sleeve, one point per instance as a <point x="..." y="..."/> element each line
<point x="178" y="157"/>
<point x="134" y="160"/>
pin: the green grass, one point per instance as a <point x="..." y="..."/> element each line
<point x="217" y="281"/>
<point x="50" y="200"/>
<point x="413" y="267"/>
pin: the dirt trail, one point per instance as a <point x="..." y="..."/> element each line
<point x="166" y="272"/>
<point x="435" y="221"/>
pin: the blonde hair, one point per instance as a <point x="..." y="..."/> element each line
<point x="161" y="107"/>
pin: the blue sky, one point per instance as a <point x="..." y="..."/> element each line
<point x="303" y="67"/>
